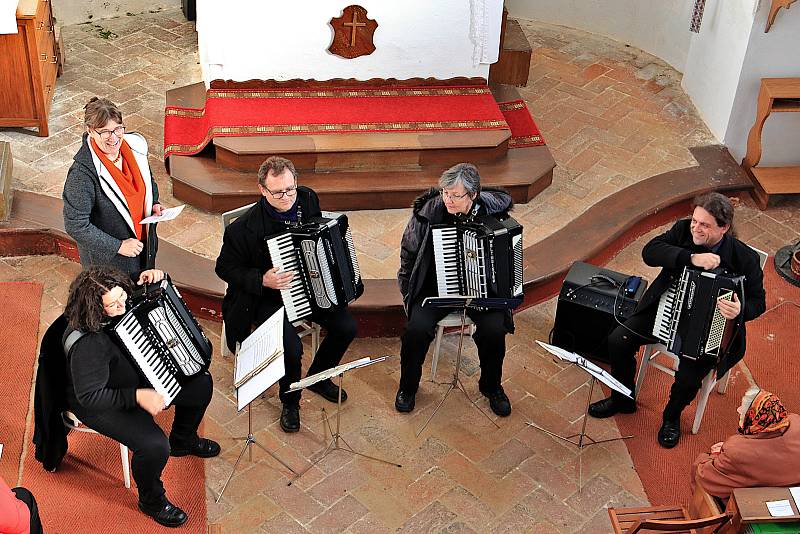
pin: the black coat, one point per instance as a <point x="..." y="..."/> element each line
<point x="50" y="398"/>
<point x="244" y="259"/>
<point x="672" y="250"/>
<point x="416" y="252"/>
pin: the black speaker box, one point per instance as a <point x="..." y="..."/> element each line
<point x="589" y="300"/>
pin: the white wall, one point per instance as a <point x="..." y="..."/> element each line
<point x="659" y="27"/>
<point x="77" y="11"/>
<point x="284" y="40"/>
<point x="769" y="55"/>
<point x="715" y="60"/>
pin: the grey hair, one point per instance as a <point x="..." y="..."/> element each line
<point x="465" y="173"/>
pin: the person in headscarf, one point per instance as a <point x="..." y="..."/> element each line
<point x="765" y="452"/>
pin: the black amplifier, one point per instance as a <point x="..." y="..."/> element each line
<point x="589" y="300"/>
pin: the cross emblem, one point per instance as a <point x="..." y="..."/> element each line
<point x="354" y="27"/>
<point x="353" y="33"/>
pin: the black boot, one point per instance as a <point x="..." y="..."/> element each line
<point x="611" y="406"/>
<point x="290" y="418"/>
<point x="165" y="513"/>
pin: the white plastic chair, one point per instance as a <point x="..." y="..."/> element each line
<point x="652" y="350"/>
<point x="451" y="320"/>
<point x="306" y="327"/>
<point x="73" y="423"/>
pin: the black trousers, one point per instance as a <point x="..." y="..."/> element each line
<point x="624" y="343"/>
<point x="27" y="497"/>
<point x="341" y="330"/>
<point x="490" y="338"/>
<point x="150" y="447"/>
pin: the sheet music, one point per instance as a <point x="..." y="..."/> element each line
<point x="334" y="371"/>
<point x="259" y="360"/>
<point x="590" y="367"/>
<point x="167" y="214"/>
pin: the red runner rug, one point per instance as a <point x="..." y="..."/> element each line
<point x="771" y="352"/>
<point x="241" y="112"/>
<point x="524" y="132"/>
<point x="87" y="492"/>
<point x="20" y="303"/>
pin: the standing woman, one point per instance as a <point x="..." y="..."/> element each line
<point x="109" y="395"/>
<point x="108" y="191"/>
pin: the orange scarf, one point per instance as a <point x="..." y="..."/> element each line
<point x="766" y="414"/>
<point x="130" y="182"/>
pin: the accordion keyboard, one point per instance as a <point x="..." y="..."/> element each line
<point x="283" y="255"/>
<point x="158" y="369"/>
<point x="445" y="248"/>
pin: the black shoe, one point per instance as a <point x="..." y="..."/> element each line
<point x="499" y="403"/>
<point x="328" y="390"/>
<point x="611" y="406"/>
<point x="204" y="448"/>
<point x="166" y="514"/>
<point x="669" y="434"/>
<point x="404" y="402"/>
<point x="290" y="418"/>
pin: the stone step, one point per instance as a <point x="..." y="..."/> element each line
<point x="364" y="151"/>
<point x="202" y="182"/>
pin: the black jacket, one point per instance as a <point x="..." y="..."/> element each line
<point x="672" y="251"/>
<point x="50" y="399"/>
<point x="416" y="253"/>
<point x="101" y="377"/>
<point x="244" y="259"/>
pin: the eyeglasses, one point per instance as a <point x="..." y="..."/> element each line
<point x="105" y="135"/>
<point x="290" y="192"/>
<point x="452" y="197"/>
<point x="120" y="301"/>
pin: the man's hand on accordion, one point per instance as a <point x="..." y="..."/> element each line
<point x="274" y="279"/>
<point x="729" y="308"/>
<point x="150" y="400"/>
<point x="707" y="260"/>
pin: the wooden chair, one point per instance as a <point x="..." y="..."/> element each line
<point x="664" y="519"/>
<point x="651" y="351"/>
<point x="306" y="328"/>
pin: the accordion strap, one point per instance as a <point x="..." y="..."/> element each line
<point x="72" y="338"/>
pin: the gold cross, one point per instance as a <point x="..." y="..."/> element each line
<point x="355" y="25"/>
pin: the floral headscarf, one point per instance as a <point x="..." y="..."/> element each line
<point x="766" y="414"/>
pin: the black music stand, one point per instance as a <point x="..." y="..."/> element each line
<point x="461" y="303"/>
<point x="336" y="436"/>
<point x="597" y="373"/>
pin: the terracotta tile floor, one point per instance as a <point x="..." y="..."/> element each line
<point x="611" y="115"/>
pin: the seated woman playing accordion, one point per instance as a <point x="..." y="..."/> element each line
<point x="110" y="395"/>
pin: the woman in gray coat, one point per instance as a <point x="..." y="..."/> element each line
<point x="108" y="191"/>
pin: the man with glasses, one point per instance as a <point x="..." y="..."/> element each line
<point x="706" y="242"/>
<point x="459" y="196"/>
<point x="254" y="285"/>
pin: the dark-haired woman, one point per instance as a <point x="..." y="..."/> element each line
<point x="109" y="395"/>
<point x="108" y="191"/>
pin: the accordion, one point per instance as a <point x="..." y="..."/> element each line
<point x="479" y="258"/>
<point x="688" y="321"/>
<point x="322" y="255"/>
<point x="163" y="338"/>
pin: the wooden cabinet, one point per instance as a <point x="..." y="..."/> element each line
<point x="777" y="95"/>
<point x="30" y="61"/>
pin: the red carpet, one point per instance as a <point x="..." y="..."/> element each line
<point x="87" y="493"/>
<point x="771" y="353"/>
<point x="305" y="111"/>
<point x="524" y="132"/>
<point x="20" y="303"/>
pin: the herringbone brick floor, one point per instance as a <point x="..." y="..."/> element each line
<point x="611" y="115"/>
